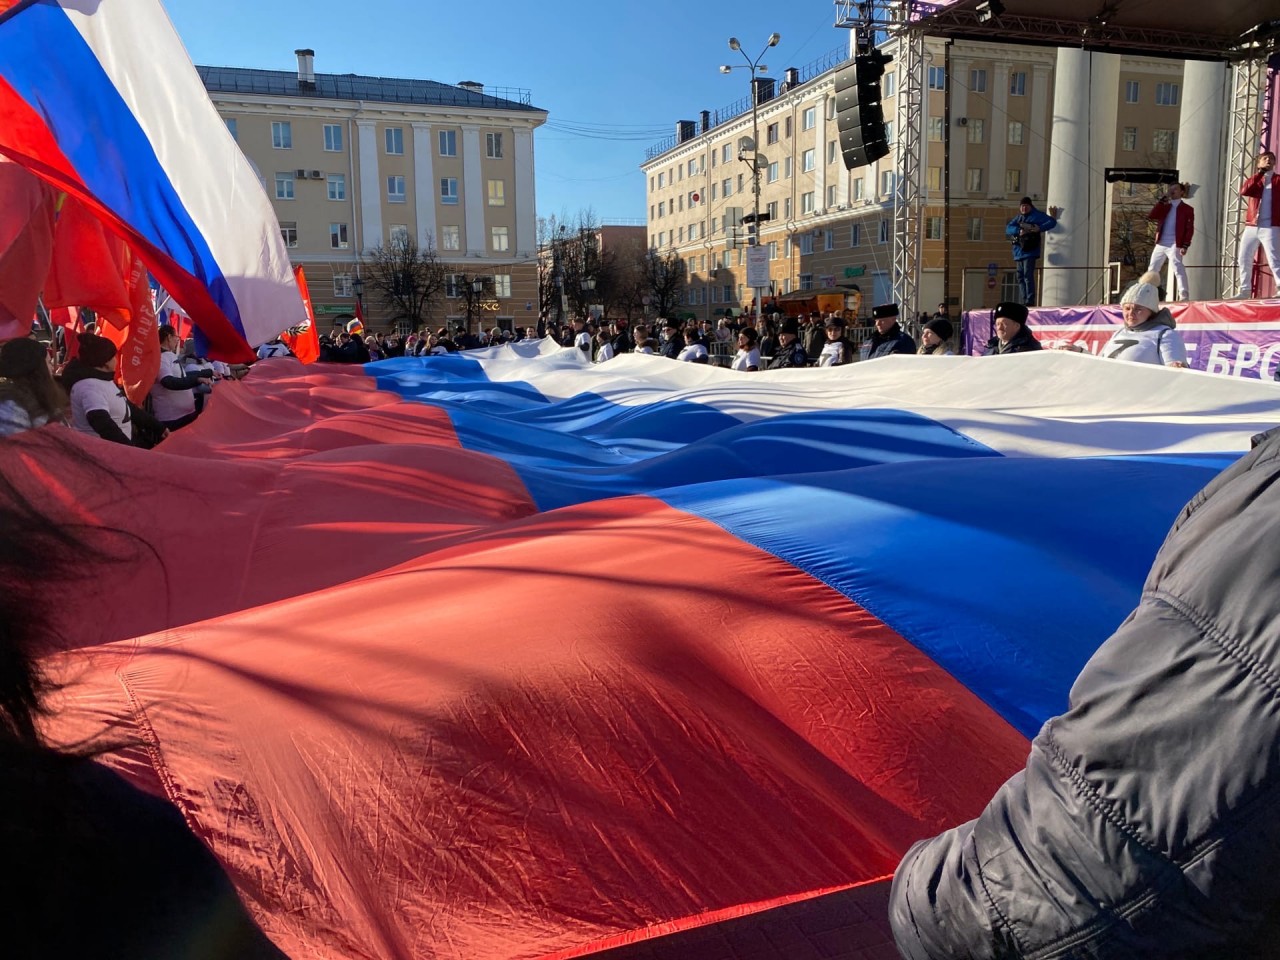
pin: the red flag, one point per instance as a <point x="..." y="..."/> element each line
<point x="26" y="246"/>
<point x="304" y="340"/>
<point x="89" y="264"/>
<point x="134" y="332"/>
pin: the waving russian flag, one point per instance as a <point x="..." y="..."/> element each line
<point x="99" y="98"/>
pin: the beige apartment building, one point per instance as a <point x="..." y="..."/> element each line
<point x="984" y="145"/>
<point x="352" y="162"/>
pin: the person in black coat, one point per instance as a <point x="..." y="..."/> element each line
<point x="672" y="341"/>
<point x="889" y="336"/>
<point x="791" y="351"/>
<point x="1012" y="333"/>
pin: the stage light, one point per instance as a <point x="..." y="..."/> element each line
<point x="989" y="10"/>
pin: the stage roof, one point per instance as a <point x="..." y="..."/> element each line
<point x="1196" y="29"/>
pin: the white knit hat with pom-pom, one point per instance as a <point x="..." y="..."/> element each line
<point x="1145" y="293"/>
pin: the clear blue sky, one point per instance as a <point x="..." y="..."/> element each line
<point x="624" y="71"/>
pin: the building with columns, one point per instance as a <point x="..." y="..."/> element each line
<point x="351" y="162"/>
<point x="988" y="138"/>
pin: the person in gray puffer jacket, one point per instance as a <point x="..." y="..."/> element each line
<point x="1147" y="821"/>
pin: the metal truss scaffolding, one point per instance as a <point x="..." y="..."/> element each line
<point x="908" y="195"/>
<point x="1248" y="82"/>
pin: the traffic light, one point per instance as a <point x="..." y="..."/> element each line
<point x="859" y="115"/>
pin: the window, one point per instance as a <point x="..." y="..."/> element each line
<point x="772" y="247"/>
<point x="726" y="187"/>
<point x="1018" y="84"/>
<point x="712" y="155"/>
<point x="502" y="285"/>
<point x="978" y="81"/>
<point x="936" y="129"/>
<point x="395" y="189"/>
<point x="857" y="189"/>
<point x="771" y="133"/>
<point x="449" y="190"/>
<point x="855" y="235"/>
<point x="977" y="129"/>
<point x="771" y="210"/>
<point x="662" y="180"/>
<point x="884" y="231"/>
<point x="1013" y="181"/>
<point x="833" y="150"/>
<point x="771" y="174"/>
<point x="333" y="137"/>
<point x="886" y="183"/>
<point x="974" y="231"/>
<point x="809" y="118"/>
<point x="398" y="234"/>
<point x="973" y="179"/>
<point x="786" y="167"/>
<point x="806" y="161"/>
<point x="933" y="228"/>
<point x="786" y="208"/>
<point x="831" y="195"/>
<point x="497" y="193"/>
<point x="693" y="167"/>
<point x="499" y="239"/>
<point x="342" y="284"/>
<point x="1164" y="141"/>
<point x="1132" y="90"/>
<point x="662" y="208"/>
<point x="284" y="186"/>
<point x="1129" y="138"/>
<point x="889" y="85"/>
<point x="728" y="293"/>
<point x="448" y="143"/>
<point x="451" y="237"/>
<point x="493" y="145"/>
<point x="934" y="179"/>
<point x="338" y="236"/>
<point x="282" y="134"/>
<point x="452" y="283"/>
<point x="233" y="128"/>
<point x="786" y="127"/>
<point x="806" y="244"/>
<point x="806" y="202"/>
<point x="888" y="131"/>
<point x="937" y="78"/>
<point x="289" y="232"/>
<point x="831" y="108"/>
<point x="337" y="186"/>
<point x="828" y="240"/>
<point x="726" y="153"/>
<point x="740" y="176"/>
<point x="679" y="174"/>
<point x="394" y="137"/>
<point x="1166" y="94"/>
<point x="1015" y="133"/>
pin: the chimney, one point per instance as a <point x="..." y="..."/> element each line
<point x="705" y="119"/>
<point x="790" y="78"/>
<point x="763" y="89"/>
<point x="685" y="130"/>
<point x="306" y="69"/>
<point x="471" y="85"/>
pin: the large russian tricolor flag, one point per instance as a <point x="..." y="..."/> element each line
<point x="99" y="98"/>
<point x="503" y="655"/>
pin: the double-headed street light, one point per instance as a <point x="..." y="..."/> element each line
<point x="755" y="66"/>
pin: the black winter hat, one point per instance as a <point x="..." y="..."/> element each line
<point x="884" y="310"/>
<point x="791" y="326"/>
<point x="95" y="350"/>
<point x="1013" y="311"/>
<point x="21" y="357"/>
<point x="941" y="326"/>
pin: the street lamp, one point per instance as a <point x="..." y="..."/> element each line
<point x="357" y="287"/>
<point x="477" y="288"/>
<point x="755" y="66"/>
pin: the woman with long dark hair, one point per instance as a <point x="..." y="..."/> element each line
<point x="29" y="396"/>
<point x="94" y="866"/>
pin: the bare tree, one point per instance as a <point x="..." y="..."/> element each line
<point x="663" y="277"/>
<point x="405" y="278"/>
<point x="476" y="291"/>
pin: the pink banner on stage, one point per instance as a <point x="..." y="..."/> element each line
<point x="1237" y="338"/>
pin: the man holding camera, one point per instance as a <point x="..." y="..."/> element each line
<point x="1024" y="232"/>
<point x="1175" y="224"/>
<point x="1262" y="219"/>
